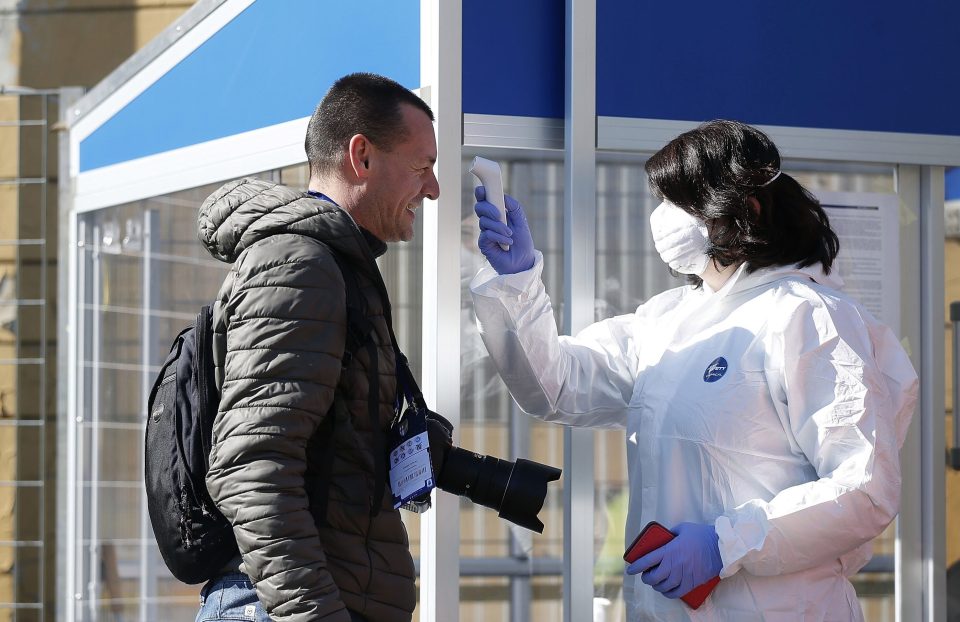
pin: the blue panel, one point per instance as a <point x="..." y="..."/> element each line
<point x="513" y="57"/>
<point x="884" y="65"/>
<point x="953" y="184"/>
<point x="270" y="64"/>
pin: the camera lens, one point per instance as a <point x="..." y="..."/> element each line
<point x="526" y="492"/>
<point x="515" y="489"/>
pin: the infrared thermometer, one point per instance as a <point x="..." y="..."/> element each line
<point x="488" y="172"/>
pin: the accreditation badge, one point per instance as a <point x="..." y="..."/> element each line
<point x="411" y="474"/>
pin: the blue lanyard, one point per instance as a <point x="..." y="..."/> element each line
<point x="321" y="196"/>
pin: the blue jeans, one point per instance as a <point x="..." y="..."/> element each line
<point x="231" y="598"/>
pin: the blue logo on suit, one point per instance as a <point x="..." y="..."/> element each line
<point x="715" y="370"/>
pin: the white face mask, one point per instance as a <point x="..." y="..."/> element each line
<point x="681" y="239"/>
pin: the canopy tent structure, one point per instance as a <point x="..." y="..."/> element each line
<point x="570" y="98"/>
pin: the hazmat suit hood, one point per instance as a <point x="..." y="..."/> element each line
<point x="742" y="280"/>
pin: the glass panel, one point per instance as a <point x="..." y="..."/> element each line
<point x="31" y="275"/>
<point x="120" y="583"/>
<point x="495" y="585"/>
<point x="21" y="504"/>
<point x="628" y="272"/>
<point x="143" y="278"/>
<point x="22" y="455"/>
<point x="22" y="613"/>
<point x="20" y="581"/>
<point x="120" y="387"/>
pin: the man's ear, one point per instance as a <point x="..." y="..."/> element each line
<point x="359" y="150"/>
<point x="754" y="206"/>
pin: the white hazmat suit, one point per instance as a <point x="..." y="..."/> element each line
<point x="773" y="409"/>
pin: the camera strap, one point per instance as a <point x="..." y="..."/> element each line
<point x="409" y="468"/>
<point x="407" y="383"/>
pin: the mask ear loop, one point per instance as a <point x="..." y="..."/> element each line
<point x="771" y="180"/>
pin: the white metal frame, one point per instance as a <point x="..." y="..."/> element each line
<point x="909" y="551"/>
<point x="92" y="419"/>
<point x="920" y="576"/>
<point x="481" y="130"/>
<point x="72" y="592"/>
<point x="66" y="370"/>
<point x="932" y="473"/>
<point x="580" y="242"/>
<point x="615" y="134"/>
<point x="148" y="557"/>
<point x="440" y="73"/>
<point x="250" y="152"/>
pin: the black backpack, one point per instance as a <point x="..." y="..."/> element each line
<point x="196" y="541"/>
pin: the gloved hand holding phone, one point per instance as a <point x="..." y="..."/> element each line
<point x="515" y="235"/>
<point x="690" y="559"/>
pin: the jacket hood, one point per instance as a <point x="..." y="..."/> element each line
<point x="243" y="212"/>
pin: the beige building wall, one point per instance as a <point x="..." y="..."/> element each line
<point x="44" y="44"/>
<point x="9" y="148"/>
<point x="952" y="294"/>
<point x="79" y="42"/>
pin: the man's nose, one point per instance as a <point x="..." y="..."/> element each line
<point x="432" y="188"/>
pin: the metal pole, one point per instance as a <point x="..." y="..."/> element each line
<point x="148" y="575"/>
<point x="909" y="576"/>
<point x="441" y="34"/>
<point x="579" y="217"/>
<point x="69" y="255"/>
<point x="76" y="445"/>
<point x="932" y="407"/>
<point x="93" y="546"/>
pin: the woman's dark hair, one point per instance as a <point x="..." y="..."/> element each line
<point x="713" y="170"/>
<point x="359" y="103"/>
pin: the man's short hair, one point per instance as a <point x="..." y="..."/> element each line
<point x="359" y="103"/>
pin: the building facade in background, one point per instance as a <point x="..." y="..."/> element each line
<point x="44" y="45"/>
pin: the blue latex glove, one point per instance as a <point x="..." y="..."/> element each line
<point x="517" y="236"/>
<point x="688" y="561"/>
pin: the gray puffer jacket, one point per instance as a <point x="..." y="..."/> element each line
<point x="280" y="329"/>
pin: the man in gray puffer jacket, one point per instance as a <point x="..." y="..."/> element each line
<point x="280" y="336"/>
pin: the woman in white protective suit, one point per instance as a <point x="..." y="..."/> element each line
<point x="764" y="409"/>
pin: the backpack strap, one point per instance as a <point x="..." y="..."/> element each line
<point x="359" y="334"/>
<point x="359" y="331"/>
<point x="208" y="391"/>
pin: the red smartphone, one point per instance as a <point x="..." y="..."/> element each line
<point x="652" y="537"/>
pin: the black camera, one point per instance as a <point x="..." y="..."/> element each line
<point x="516" y="490"/>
